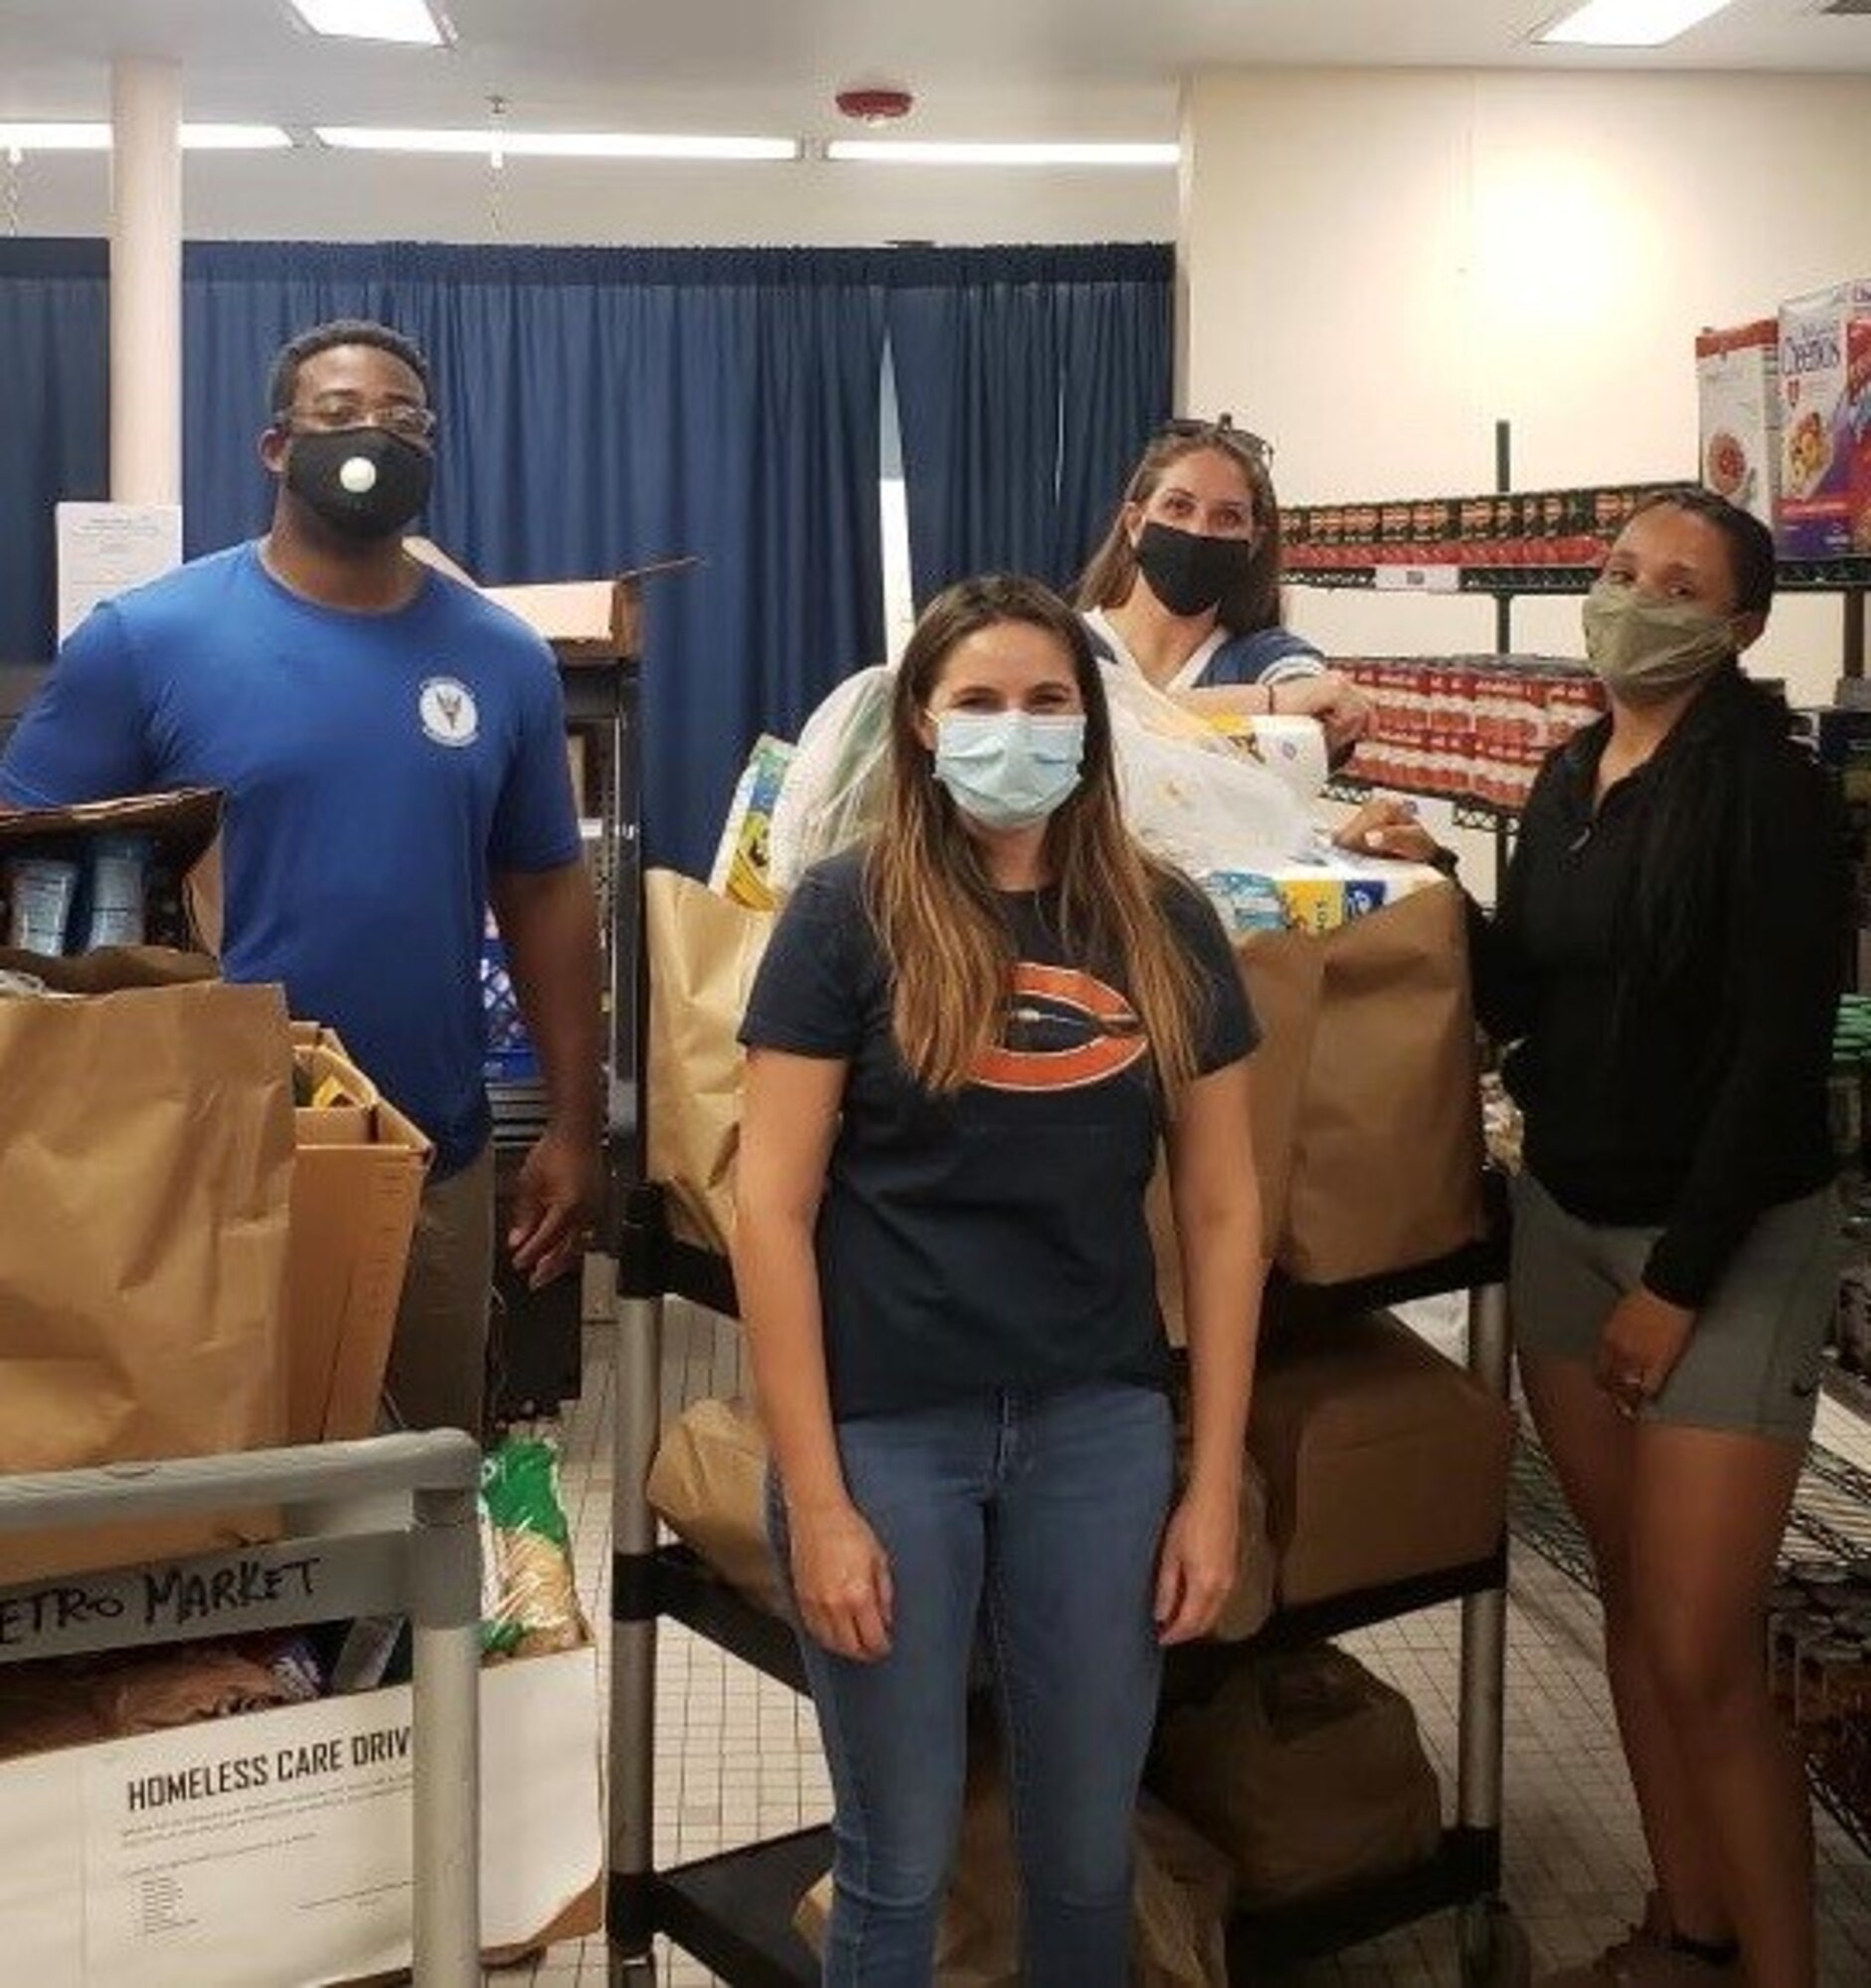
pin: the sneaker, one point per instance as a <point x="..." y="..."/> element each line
<point x="1644" y="1960"/>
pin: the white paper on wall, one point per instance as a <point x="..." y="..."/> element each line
<point x="106" y="548"/>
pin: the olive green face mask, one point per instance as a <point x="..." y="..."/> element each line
<point x="1645" y="650"/>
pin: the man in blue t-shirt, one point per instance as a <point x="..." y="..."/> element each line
<point x="391" y="749"/>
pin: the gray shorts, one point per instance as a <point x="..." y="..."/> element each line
<point x="1753" y="1361"/>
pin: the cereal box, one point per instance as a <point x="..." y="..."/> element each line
<point x="1824" y="509"/>
<point x="1738" y="396"/>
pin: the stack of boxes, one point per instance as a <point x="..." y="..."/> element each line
<point x="1786" y="421"/>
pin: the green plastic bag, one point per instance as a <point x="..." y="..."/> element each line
<point x="529" y="1597"/>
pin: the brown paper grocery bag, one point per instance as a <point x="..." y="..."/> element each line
<point x="1388" y="1154"/>
<point x="703" y="950"/>
<point x="146" y="1168"/>
<point x="1366" y="1122"/>
<point x="1184" y="1892"/>
<point x="1251" y="1600"/>
<point x="1307" y="1771"/>
<point x="708" y="1484"/>
<point x="1355" y="1421"/>
<point x="1284" y="973"/>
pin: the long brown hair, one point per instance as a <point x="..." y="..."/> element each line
<point x="944" y="929"/>
<point x="1254" y="602"/>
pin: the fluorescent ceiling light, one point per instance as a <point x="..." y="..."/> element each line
<point x="410" y="21"/>
<point x="1628" y="24"/>
<point x="936" y="152"/>
<point x="55" y="137"/>
<point x="234" y="138"/>
<point x="97" y="138"/>
<point x="485" y="142"/>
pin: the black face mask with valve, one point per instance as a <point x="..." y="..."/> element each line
<point x="1188" y="571"/>
<point x="365" y="482"/>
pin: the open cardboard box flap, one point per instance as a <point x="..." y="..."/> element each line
<point x="185" y="827"/>
<point x="182" y="824"/>
<point x="584" y="621"/>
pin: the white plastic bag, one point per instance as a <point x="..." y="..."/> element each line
<point x="836" y="785"/>
<point x="1190" y="795"/>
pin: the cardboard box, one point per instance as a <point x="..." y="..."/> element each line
<point x="584" y="621"/>
<point x="1824" y="508"/>
<point x="1737" y="397"/>
<point x="357" y="1185"/>
<point x="273" y="1850"/>
<point x="315" y="1036"/>
<point x="182" y="828"/>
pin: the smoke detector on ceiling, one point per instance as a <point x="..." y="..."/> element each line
<point x="875" y="103"/>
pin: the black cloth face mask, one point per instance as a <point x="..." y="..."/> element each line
<point x="1188" y="571"/>
<point x="364" y="482"/>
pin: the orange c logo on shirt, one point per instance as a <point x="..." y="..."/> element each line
<point x="1068" y="1029"/>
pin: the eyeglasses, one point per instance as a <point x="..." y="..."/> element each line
<point x="403" y="419"/>
<point x="1221" y="431"/>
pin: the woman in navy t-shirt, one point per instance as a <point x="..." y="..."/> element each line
<point x="966" y="1042"/>
<point x="1185" y="588"/>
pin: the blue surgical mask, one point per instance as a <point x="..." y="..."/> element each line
<point x="1009" y="768"/>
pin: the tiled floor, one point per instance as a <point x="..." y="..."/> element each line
<point x="738" y="1757"/>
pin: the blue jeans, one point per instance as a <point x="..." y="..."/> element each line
<point x="1039" y="1519"/>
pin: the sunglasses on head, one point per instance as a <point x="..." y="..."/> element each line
<point x="1222" y="430"/>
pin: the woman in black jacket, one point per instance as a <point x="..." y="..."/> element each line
<point x="1665" y="967"/>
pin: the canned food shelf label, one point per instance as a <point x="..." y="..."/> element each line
<point x="1418" y="579"/>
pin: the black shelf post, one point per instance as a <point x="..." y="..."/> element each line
<point x="1503" y="484"/>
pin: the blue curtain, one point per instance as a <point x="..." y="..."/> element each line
<point x="602" y="408"/>
<point x="54" y="421"/>
<point x="607" y="408"/>
<point x="1028" y="380"/>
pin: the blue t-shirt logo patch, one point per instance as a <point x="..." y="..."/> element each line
<point x="449" y="715"/>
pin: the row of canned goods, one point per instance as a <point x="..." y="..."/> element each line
<point x="1522" y="528"/>
<point x="1469" y="727"/>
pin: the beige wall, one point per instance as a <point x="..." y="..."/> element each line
<point x="1379" y="263"/>
<point x="328" y="196"/>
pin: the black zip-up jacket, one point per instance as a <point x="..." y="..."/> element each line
<point x="1697" y="1104"/>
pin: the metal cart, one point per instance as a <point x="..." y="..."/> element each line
<point x="734" y="1911"/>
<point x="427" y="1567"/>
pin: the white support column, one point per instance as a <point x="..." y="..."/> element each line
<point x="145" y="281"/>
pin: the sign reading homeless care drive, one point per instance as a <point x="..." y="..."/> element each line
<point x="274" y="1849"/>
<point x="299" y="1760"/>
